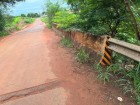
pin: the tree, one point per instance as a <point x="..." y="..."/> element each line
<point x="51" y="9"/>
<point x="23" y="15"/>
<point x="28" y="15"/>
<point x="99" y="17"/>
<point x="2" y="21"/>
<point x="102" y="16"/>
<point x="5" y="2"/>
<point x="33" y="15"/>
<point x="43" y="13"/>
<point x="134" y="21"/>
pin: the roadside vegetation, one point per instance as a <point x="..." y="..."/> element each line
<point x="118" y="18"/>
<point x="12" y="24"/>
<point x="28" y="20"/>
<point x="67" y="42"/>
<point x="45" y="20"/>
<point x="6" y="22"/>
<point x="9" y="23"/>
<point x="124" y="73"/>
<point x="82" y="55"/>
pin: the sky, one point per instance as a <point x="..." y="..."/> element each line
<point x="29" y="6"/>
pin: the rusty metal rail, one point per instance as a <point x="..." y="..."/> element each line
<point x="130" y="50"/>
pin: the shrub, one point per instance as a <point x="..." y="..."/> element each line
<point x="29" y="20"/>
<point x="45" y="20"/>
<point x="65" y="19"/>
<point x="3" y="33"/>
<point x="67" y="42"/>
<point x="16" y="20"/>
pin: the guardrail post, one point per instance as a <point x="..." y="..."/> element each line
<point x="107" y="53"/>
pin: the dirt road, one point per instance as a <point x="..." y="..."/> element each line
<point x="36" y="70"/>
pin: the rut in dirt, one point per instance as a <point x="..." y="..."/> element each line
<point x="29" y="91"/>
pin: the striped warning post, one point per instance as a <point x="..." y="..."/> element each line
<point x="106" y="58"/>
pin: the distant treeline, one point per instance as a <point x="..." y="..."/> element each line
<point x="33" y="15"/>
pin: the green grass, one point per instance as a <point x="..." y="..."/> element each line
<point x="17" y="20"/>
<point x="82" y="56"/>
<point x="66" y="42"/>
<point x="45" y="20"/>
<point x="29" y="20"/>
<point x="104" y="74"/>
<point x="124" y="73"/>
<point x="12" y="24"/>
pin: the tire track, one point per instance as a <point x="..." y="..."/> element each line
<point x="29" y="91"/>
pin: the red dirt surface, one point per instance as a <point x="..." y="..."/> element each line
<point x="33" y="56"/>
<point x="85" y="88"/>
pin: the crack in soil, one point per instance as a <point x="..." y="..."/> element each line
<point x="29" y="91"/>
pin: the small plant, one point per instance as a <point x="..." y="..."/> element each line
<point x="104" y="74"/>
<point x="82" y="56"/>
<point x="125" y="84"/>
<point x="138" y="100"/>
<point x="66" y="42"/>
<point x="137" y="80"/>
<point x="98" y="67"/>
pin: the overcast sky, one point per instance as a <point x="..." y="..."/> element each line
<point x="29" y="6"/>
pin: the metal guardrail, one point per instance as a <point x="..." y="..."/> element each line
<point x="110" y="44"/>
<point x="130" y="50"/>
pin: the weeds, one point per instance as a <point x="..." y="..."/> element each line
<point x="82" y="56"/>
<point x="14" y="24"/>
<point x="104" y="74"/>
<point x="66" y="42"/>
<point x="138" y="100"/>
<point x="126" y="74"/>
<point x="45" y="20"/>
<point x="125" y="84"/>
<point x="29" y="20"/>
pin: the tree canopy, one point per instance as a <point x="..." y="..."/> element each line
<point x="3" y="5"/>
<point x="33" y="15"/>
<point x="9" y="1"/>
<point x="106" y="16"/>
<point x="51" y="9"/>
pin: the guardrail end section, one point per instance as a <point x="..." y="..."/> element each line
<point x="107" y="54"/>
